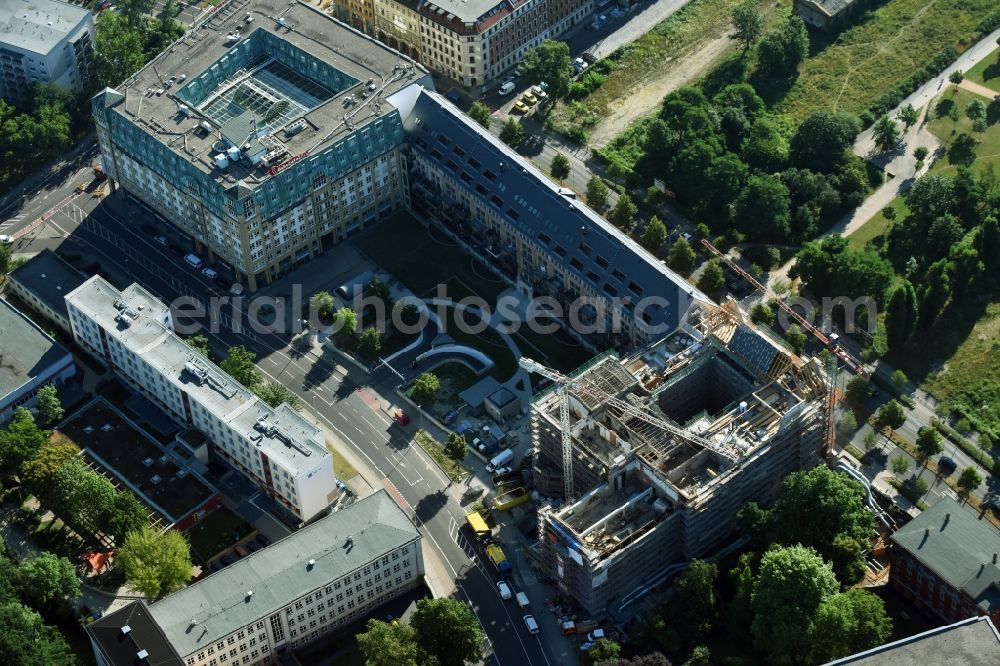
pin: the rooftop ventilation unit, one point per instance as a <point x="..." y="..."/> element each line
<point x="183" y="110"/>
<point x="148" y="462"/>
<point x="156" y="478"/>
<point x="274" y="432"/>
<point x="126" y="630"/>
<point x="141" y="655"/>
<point x="221" y="161"/>
<point x="295" y="127"/>
<point x="249" y="594"/>
<point x="233" y="153"/>
<point x="204" y="376"/>
<point x="311" y="563"/>
<point x="205" y="125"/>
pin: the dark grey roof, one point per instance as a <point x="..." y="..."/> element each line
<point x="121" y="648"/>
<point x="26" y="351"/>
<point x="280" y="573"/>
<point x="49" y="278"/>
<point x="475" y="395"/>
<point x="829" y="7"/>
<point x="757" y="349"/>
<point x="567" y="228"/>
<point x="959" y="547"/>
<point x="972" y="642"/>
<point x="501" y="398"/>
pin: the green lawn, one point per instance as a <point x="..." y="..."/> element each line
<point x="945" y="128"/>
<point x="488" y="341"/>
<point x="455" y="471"/>
<point x="343" y="469"/>
<point x="876" y="226"/>
<point x="216" y="532"/>
<point x="987" y="71"/>
<point x="899" y="38"/>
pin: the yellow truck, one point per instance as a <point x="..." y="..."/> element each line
<point x="478" y="525"/>
<point x="497" y="557"/>
<point x="510" y="498"/>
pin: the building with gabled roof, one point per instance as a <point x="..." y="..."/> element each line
<point x="971" y="642"/>
<point x="945" y="562"/>
<point x="318" y="579"/>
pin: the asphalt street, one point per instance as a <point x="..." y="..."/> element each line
<point x="351" y="403"/>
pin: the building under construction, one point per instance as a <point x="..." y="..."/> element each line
<point x="666" y="447"/>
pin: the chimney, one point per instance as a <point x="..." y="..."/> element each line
<point x="927" y="532"/>
<point x="994" y="558"/>
<point x="947" y="517"/>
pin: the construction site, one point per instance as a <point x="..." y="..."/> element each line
<point x="651" y="456"/>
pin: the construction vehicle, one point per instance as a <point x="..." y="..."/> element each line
<point x="497" y="557"/>
<point x="830" y="342"/>
<point x="511" y="498"/>
<point x="478" y="525"/>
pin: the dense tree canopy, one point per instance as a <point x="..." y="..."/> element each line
<point x="548" y="62"/>
<point x="155" y="563"/>
<point x="820" y="142"/>
<point x="448" y="631"/>
<point x="848" y="623"/>
<point x="830" y="268"/>
<point x="47" y="578"/>
<point x="389" y="644"/>
<point x="426" y="387"/>
<point x="783" y="49"/>
<point x="25" y="638"/>
<point x="239" y="364"/>
<point x="20" y="441"/>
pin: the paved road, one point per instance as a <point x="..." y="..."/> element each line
<point x="359" y="416"/>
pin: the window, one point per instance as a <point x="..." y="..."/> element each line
<point x="601" y="261"/>
<point x="545" y="238"/>
<point x="586" y="249"/>
<point x="576" y="263"/>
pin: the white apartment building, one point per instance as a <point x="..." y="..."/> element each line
<point x="278" y="449"/>
<point x="319" y="579"/>
<point x="44" y="40"/>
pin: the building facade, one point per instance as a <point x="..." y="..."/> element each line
<point x="277" y="449"/>
<point x="44" y="41"/>
<point x="266" y="147"/>
<point x="42" y="282"/>
<point x="945" y="562"/>
<point x="29" y="360"/>
<point x="316" y="580"/>
<point x="472" y="42"/>
<point x="827" y="15"/>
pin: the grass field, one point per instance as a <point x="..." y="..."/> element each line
<point x="341" y="467"/>
<point x="897" y="39"/>
<point x="876" y="226"/>
<point x="987" y="150"/>
<point x="987" y="71"/>
<point x="670" y="40"/>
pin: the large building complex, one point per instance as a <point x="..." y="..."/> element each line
<point x="29" y="360"/>
<point x="646" y="497"/>
<point x="44" y="41"/>
<point x="276" y="448"/>
<point x="945" y="562"/>
<point x="42" y="282"/>
<point x="316" y="580"/>
<point x="471" y="42"/>
<point x="264" y="135"/>
<point x="534" y="234"/>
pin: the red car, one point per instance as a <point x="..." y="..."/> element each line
<point x="401" y="418"/>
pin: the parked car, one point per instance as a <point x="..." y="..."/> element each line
<point x="529" y="99"/>
<point x="595" y="635"/>
<point x="946" y="463"/>
<point x="161" y="239"/>
<point x="253" y="546"/>
<point x="210" y="273"/>
<point x="401" y="418"/>
<point x="521" y="107"/>
<point x="6" y="240"/>
<point x="227" y="559"/>
<point x="529" y="622"/>
<point x="450" y="417"/>
<point x="193" y="260"/>
<point x="579" y="65"/>
<point x="506" y="88"/>
<point x="504" y="589"/>
<point x="503" y="471"/>
<point x="540" y="93"/>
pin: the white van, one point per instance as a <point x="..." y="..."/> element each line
<point x="522" y="600"/>
<point x="193" y="260"/>
<point x="507" y="88"/>
<point x="501" y="459"/>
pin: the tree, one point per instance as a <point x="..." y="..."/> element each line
<point x="345" y="322"/>
<point x="448" y="631"/>
<point x="39" y="473"/>
<point x="155" y="563"/>
<point x="956" y="77"/>
<point x="885" y="133"/>
<point x="370" y="343"/>
<point x="935" y="294"/>
<point x="989" y="244"/>
<point x="892" y="414"/>
<point x="512" y="133"/>
<point x="762" y="210"/>
<point x="199" y="343"/>
<point x="21" y="441"/>
<point x="681" y="257"/>
<point x="869" y="440"/>
<point x="118" y="50"/>
<point x="908" y="116"/>
<point x="49" y="406"/>
<point x="901" y="315"/>
<point x="275" y="395"/>
<point x="409" y="314"/>
<point x="379" y="291"/>
<point x="899" y="378"/>
<point x="623" y="213"/>
<point x="604" y="651"/>
<point x="389" y="644"/>
<point x="858" y="389"/>
<point x="821" y="140"/>
<point x="123" y="515"/>
<point x="712" y="277"/>
<point x="762" y="314"/>
<point x="783" y="49"/>
<point x="548" y="62"/>
<point x="929" y="443"/>
<point x="597" y="194"/>
<point x="651" y="659"/>
<point x="28" y="641"/>
<point x="975" y="110"/>
<point x="848" y="422"/>
<point x="693" y="601"/>
<point x="900" y="465"/>
<point x="322" y="304"/>
<point x="796" y="338"/>
<point x="560" y="167"/>
<point x="456" y="448"/>
<point x="748" y="23"/>
<point x="425" y="388"/>
<point x="848" y="559"/>
<point x="654" y="235"/>
<point x="5" y="260"/>
<point x="239" y="364"/>
<point x="700" y="656"/>
<point x="47" y="578"/>
<point x="481" y="113"/>
<point x="920" y="153"/>
<point x="793" y="582"/>
<point x="969" y="480"/>
<point x="848" y="623"/>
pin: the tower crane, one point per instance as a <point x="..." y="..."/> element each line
<point x="853" y="364"/>
<point x="564" y="384"/>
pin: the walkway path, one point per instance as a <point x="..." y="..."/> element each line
<point x="979" y="89"/>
